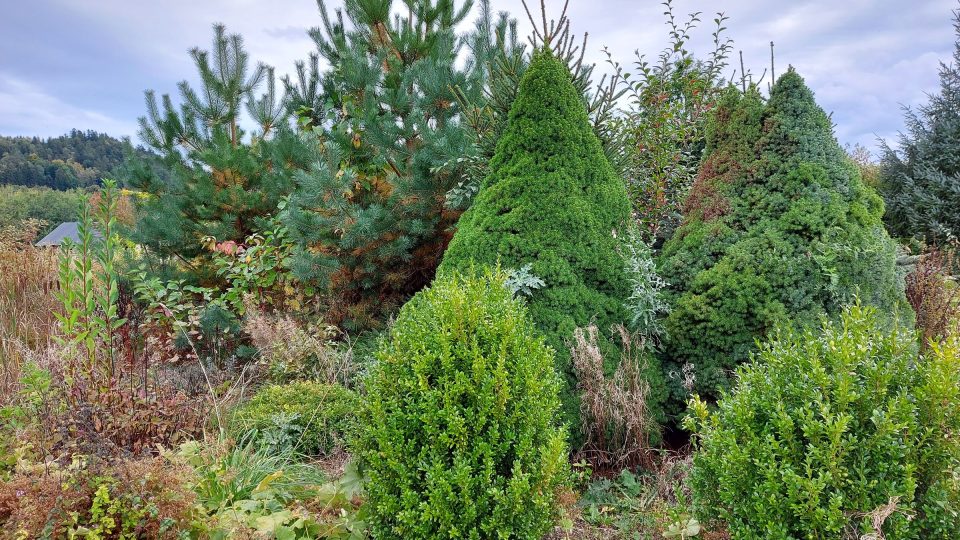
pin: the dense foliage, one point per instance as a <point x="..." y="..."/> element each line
<point x="459" y="436"/>
<point x="369" y="212"/>
<point x="308" y="417"/>
<point x="18" y="204"/>
<point x="78" y="159"/>
<point x="827" y="431"/>
<point x="552" y="201"/>
<point x="920" y="181"/>
<point x="508" y="59"/>
<point x="221" y="185"/>
<point x="778" y="227"/>
<point x="665" y="123"/>
<point x="229" y="363"/>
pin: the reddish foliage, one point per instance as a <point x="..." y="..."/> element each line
<point x="41" y="503"/>
<point x="934" y="295"/>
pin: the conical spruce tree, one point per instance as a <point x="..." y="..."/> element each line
<point x="920" y="180"/>
<point x="552" y="201"/>
<point x="778" y="228"/>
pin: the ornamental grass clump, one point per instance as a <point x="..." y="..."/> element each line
<point x="459" y="437"/>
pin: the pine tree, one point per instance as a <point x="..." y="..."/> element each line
<point x="370" y="211"/>
<point x="920" y="181"/>
<point x="778" y="228"/>
<point x="553" y="201"/>
<point x="213" y="181"/>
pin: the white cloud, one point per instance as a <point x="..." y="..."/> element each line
<point x="28" y="110"/>
<point x="863" y="58"/>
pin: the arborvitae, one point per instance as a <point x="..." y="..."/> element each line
<point x="370" y="211"/>
<point x="778" y="228"/>
<point x="213" y="182"/>
<point x="553" y="201"/>
<point x="920" y="181"/>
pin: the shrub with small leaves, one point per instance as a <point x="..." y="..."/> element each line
<point x="312" y="418"/>
<point x="460" y="436"/>
<point x="844" y="433"/>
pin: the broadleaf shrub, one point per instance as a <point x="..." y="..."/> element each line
<point x="312" y="418"/>
<point x="459" y="437"/>
<point x="827" y="431"/>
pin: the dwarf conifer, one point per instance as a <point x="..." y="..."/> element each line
<point x="552" y="201"/>
<point x="778" y="228"/>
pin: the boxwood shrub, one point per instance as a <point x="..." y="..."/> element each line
<point x="459" y="437"/>
<point x="313" y="418"/>
<point x="827" y="432"/>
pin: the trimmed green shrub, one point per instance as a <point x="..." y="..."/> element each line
<point x="312" y="418"/>
<point x="459" y="437"/>
<point x="824" y="430"/>
<point x="778" y="227"/>
<point x="552" y="201"/>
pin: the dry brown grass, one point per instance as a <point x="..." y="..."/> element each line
<point x="292" y="350"/>
<point x="28" y="304"/>
<point x="933" y="292"/>
<point x="616" y="418"/>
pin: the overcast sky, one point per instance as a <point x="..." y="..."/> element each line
<point x="70" y="64"/>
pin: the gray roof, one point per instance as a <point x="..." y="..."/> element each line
<point x="69" y="229"/>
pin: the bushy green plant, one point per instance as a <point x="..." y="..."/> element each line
<point x="311" y="418"/>
<point x="552" y="201"/>
<point x="459" y="436"/>
<point x="250" y="490"/>
<point x="778" y="227"/>
<point x="827" y="431"/>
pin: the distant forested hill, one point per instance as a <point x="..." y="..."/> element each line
<point x="75" y="160"/>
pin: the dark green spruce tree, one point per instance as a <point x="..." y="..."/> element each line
<point x="214" y="182"/>
<point x="370" y="211"/>
<point x="778" y="228"/>
<point x="552" y="201"/>
<point x="920" y="181"/>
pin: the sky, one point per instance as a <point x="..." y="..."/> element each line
<point x="84" y="64"/>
